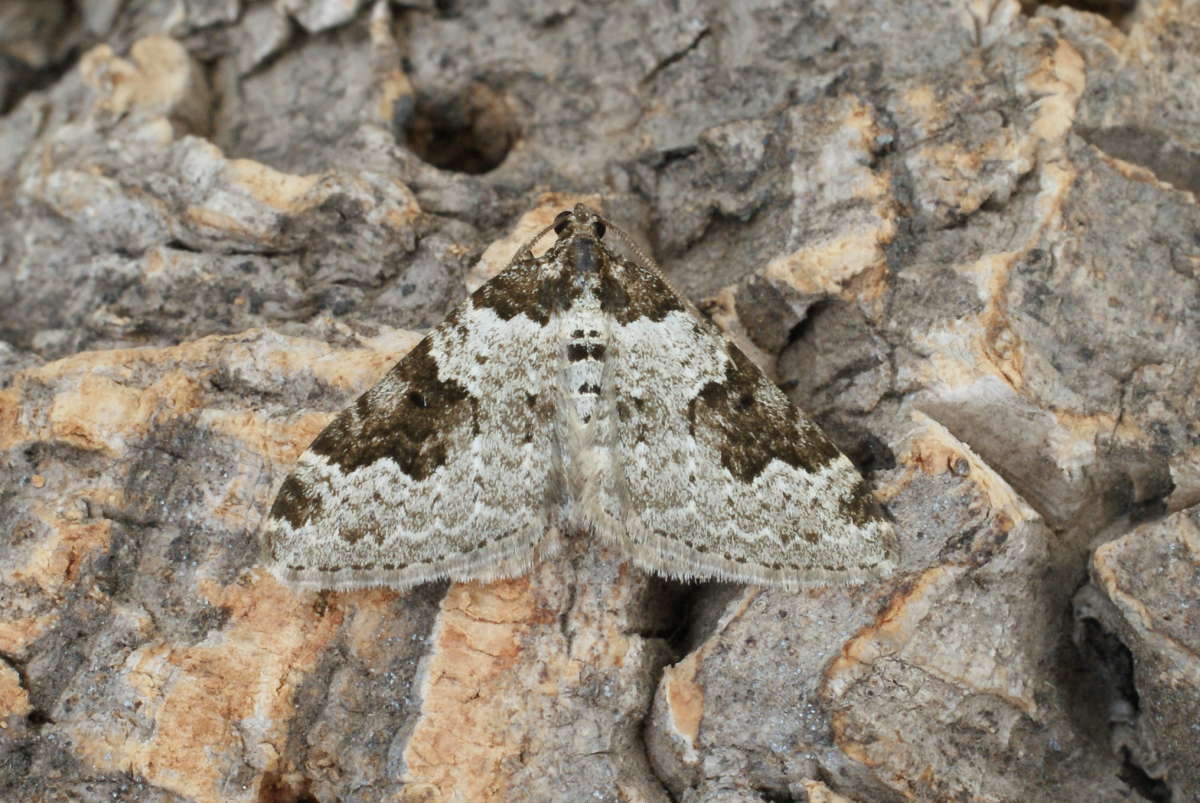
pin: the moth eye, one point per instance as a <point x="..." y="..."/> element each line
<point x="560" y="221"/>
<point x="416" y="399"/>
<point x="598" y="227"/>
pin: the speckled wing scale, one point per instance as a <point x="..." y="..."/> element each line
<point x="574" y="391"/>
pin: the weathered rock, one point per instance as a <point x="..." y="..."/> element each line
<point x="964" y="238"/>
<point x="1140" y="619"/>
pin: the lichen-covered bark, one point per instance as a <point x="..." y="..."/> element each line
<point x="963" y="236"/>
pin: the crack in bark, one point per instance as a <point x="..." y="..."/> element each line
<point x="677" y="56"/>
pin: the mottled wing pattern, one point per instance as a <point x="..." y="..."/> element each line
<point x="574" y="389"/>
<point x="441" y="469"/>
<point x="722" y="475"/>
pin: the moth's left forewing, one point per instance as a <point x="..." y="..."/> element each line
<point x="724" y="477"/>
<point x="440" y="470"/>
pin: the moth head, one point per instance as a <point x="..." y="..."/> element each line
<point x="579" y="220"/>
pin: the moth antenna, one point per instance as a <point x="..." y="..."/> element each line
<point x="527" y="249"/>
<point x="632" y="246"/>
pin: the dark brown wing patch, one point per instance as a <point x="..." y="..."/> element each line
<point x="411" y="429"/>
<point x="528" y="289"/>
<point x="755" y="423"/>
<point x="296" y="503"/>
<point x="629" y="292"/>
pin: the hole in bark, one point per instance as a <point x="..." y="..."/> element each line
<point x="37" y="717"/>
<point x="1106" y="696"/>
<point x="448" y="9"/>
<point x="33" y="74"/>
<point x="774" y="795"/>
<point x="276" y="789"/>
<point x="1115" y="10"/>
<point x="470" y="131"/>
<point x="866" y="451"/>
<point x="695" y="609"/>
<point x="802" y="327"/>
<point x="674" y="603"/>
<point x="1109" y="658"/>
<point x="1149" y="788"/>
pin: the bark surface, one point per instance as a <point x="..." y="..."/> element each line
<point x="963" y="235"/>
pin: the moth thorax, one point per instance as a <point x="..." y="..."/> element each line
<point x="584" y="255"/>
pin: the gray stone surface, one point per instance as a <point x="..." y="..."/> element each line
<point x="964" y="236"/>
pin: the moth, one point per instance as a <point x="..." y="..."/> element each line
<point x="574" y="392"/>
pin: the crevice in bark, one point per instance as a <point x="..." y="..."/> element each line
<point x="676" y="57"/>
<point x="1106" y="701"/>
